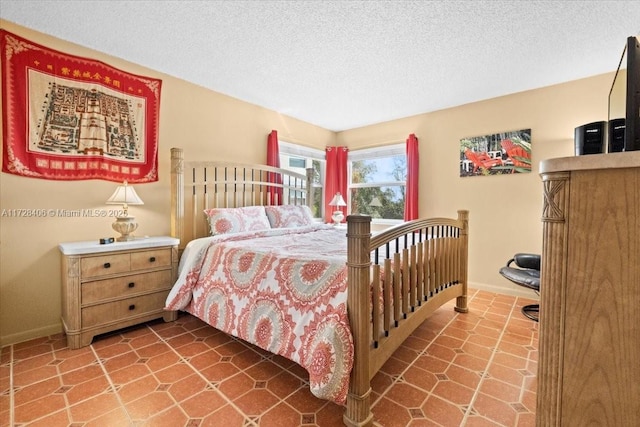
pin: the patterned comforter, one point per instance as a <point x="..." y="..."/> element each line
<point x="284" y="290"/>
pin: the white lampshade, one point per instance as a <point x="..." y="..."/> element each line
<point x="337" y="200"/>
<point x="375" y="202"/>
<point x="125" y="224"/>
<point x="124" y="195"/>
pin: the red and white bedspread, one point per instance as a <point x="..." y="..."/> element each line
<point x="284" y="290"/>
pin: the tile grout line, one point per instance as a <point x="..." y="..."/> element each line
<point x="153" y="374"/>
<point x="254" y="420"/>
<point x="12" y="409"/>
<point x="111" y="384"/>
<point x="484" y="375"/>
<point x="67" y="406"/>
<point x="246" y="417"/>
<point x="248" y="346"/>
<point x="467" y="412"/>
<point x="524" y="379"/>
<point x="440" y="333"/>
<point x="469" y="409"/>
<point x="422" y="352"/>
<point x="280" y="400"/>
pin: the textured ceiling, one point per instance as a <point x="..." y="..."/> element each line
<point x="346" y="64"/>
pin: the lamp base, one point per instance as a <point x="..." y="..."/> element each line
<point x="337" y="217"/>
<point x="125" y="225"/>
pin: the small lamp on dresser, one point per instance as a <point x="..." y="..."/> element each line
<point x="125" y="224"/>
<point x="374" y="205"/>
<point x="338" y="202"/>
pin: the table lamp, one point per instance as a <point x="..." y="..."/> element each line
<point x="337" y="201"/>
<point x="375" y="204"/>
<point x="125" y="224"/>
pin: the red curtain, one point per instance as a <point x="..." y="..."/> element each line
<point x="336" y="178"/>
<point x="413" y="167"/>
<point x="273" y="159"/>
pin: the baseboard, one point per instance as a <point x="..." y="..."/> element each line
<point x="516" y="291"/>
<point x="30" y="334"/>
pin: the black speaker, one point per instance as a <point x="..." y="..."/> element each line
<point x="589" y="138"/>
<point x="616" y="135"/>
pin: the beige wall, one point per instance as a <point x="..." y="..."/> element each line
<point x="505" y="210"/>
<point x="205" y="123"/>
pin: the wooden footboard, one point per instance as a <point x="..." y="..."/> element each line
<point x="423" y="264"/>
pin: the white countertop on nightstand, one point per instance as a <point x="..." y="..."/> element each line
<point x="94" y="246"/>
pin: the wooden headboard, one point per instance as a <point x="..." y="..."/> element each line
<point x="199" y="185"/>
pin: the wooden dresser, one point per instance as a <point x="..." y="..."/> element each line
<point x="589" y="343"/>
<point x="108" y="287"/>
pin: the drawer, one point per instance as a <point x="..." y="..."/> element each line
<point x="151" y="259"/>
<point x="106" y="264"/>
<point x="122" y="287"/>
<point x="119" y="310"/>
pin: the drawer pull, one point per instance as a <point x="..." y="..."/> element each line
<point x="132" y="284"/>
<point x="152" y="259"/>
<point x="132" y="307"/>
<point x="107" y="264"/>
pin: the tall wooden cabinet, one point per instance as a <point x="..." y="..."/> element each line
<point x="589" y="343"/>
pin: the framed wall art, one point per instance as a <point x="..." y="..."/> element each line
<point x="72" y="118"/>
<point x="495" y="154"/>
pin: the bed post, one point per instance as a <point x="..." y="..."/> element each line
<point x="461" y="301"/>
<point x="358" y="412"/>
<point x="177" y="194"/>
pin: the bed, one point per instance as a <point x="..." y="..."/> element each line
<point x="338" y="301"/>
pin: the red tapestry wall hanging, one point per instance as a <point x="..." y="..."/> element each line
<point x="72" y="118"/>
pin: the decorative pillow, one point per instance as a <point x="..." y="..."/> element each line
<point x="286" y="216"/>
<point x="236" y="220"/>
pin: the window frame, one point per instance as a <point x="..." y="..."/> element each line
<point x="289" y="149"/>
<point x="386" y="151"/>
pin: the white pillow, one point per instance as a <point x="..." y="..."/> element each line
<point x="286" y="216"/>
<point x="236" y="220"/>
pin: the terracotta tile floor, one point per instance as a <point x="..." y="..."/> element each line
<point x="474" y="369"/>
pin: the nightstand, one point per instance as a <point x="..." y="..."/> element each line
<point x="112" y="286"/>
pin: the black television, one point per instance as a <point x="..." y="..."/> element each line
<point x="624" y="97"/>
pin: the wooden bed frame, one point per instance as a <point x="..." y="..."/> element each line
<point x="432" y="257"/>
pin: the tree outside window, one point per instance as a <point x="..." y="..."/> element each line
<point x="378" y="180"/>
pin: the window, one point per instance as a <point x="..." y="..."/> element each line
<point x="378" y="181"/>
<point x="297" y="158"/>
<point x="297" y="162"/>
